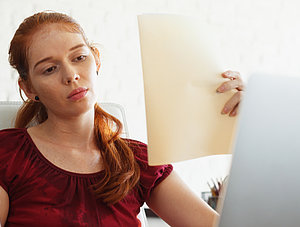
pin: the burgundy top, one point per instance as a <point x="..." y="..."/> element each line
<point x="42" y="194"/>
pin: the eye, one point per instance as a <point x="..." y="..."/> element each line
<point x="50" y="70"/>
<point x="80" y="58"/>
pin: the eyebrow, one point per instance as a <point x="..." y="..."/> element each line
<point x="77" y="46"/>
<point x="49" y="58"/>
<point x="41" y="61"/>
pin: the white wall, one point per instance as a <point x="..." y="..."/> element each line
<point x="254" y="35"/>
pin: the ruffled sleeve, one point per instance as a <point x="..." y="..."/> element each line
<point x="150" y="176"/>
<point x="10" y="144"/>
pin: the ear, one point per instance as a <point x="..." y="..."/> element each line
<point x="26" y="88"/>
<point x="96" y="54"/>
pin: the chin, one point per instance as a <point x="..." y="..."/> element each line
<point x="82" y="106"/>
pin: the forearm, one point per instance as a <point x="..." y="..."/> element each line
<point x="175" y="203"/>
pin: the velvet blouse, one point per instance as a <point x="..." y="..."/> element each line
<point x="42" y="194"/>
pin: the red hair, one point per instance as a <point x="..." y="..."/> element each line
<point x="121" y="170"/>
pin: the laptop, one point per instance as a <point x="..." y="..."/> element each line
<point x="264" y="181"/>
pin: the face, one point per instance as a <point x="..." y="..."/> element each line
<point x="59" y="63"/>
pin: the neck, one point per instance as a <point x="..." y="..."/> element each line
<point x="75" y="132"/>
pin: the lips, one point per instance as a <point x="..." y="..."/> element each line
<point x="77" y="92"/>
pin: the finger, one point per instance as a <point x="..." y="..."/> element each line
<point x="235" y="110"/>
<point x="232" y="84"/>
<point x="231" y="74"/>
<point x="232" y="102"/>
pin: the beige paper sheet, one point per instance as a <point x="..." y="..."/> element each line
<point x="181" y="73"/>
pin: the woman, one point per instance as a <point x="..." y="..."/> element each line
<point x="72" y="169"/>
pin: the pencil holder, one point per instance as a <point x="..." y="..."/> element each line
<point x="213" y="201"/>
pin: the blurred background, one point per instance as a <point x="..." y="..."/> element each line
<point x="254" y="36"/>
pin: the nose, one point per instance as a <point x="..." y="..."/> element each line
<point x="71" y="78"/>
<point x="69" y="73"/>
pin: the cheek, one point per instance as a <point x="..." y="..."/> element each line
<point x="49" y="95"/>
<point x="46" y="88"/>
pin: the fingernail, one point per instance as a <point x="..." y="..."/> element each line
<point x="225" y="110"/>
<point x="232" y="114"/>
<point x="220" y="89"/>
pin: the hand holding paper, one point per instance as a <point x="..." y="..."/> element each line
<point x="232" y="105"/>
<point x="181" y="74"/>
